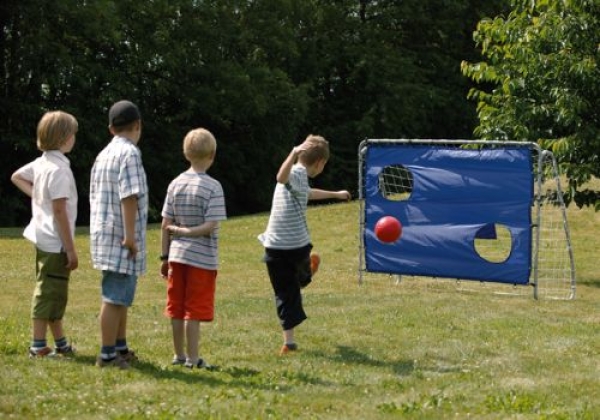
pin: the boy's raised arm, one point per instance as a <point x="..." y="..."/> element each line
<point x="283" y="175"/>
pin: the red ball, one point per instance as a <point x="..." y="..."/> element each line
<point x="388" y="229"/>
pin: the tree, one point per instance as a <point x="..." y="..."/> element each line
<point x="391" y="69"/>
<point x="540" y="81"/>
<point x="51" y="55"/>
<point x="185" y="63"/>
<point x="260" y="74"/>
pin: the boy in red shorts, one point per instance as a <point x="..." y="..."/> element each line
<point x="193" y="208"/>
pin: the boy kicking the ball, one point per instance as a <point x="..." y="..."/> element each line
<point x="287" y="240"/>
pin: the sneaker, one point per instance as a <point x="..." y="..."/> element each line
<point x="286" y="348"/>
<point x="315" y="261"/>
<point x="129" y="357"/>
<point x="177" y="361"/>
<point x="200" y="364"/>
<point x="116" y="362"/>
<point x="41" y="352"/>
<point x="65" y="351"/>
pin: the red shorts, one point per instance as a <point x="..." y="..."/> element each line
<point x="190" y="292"/>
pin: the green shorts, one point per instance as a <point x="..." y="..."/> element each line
<point x="51" y="287"/>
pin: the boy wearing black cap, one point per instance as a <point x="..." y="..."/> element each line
<point x="118" y="218"/>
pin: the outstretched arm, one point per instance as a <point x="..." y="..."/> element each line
<point x="316" y="194"/>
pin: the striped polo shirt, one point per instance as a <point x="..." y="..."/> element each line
<point x="194" y="198"/>
<point x="287" y="227"/>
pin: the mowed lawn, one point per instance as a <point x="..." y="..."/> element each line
<point x="422" y="349"/>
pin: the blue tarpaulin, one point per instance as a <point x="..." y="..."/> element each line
<point x="457" y="195"/>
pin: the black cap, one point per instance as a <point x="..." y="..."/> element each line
<point x="123" y="113"/>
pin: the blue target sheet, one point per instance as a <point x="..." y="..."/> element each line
<point x="457" y="196"/>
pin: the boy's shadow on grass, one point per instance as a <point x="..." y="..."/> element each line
<point x="349" y="355"/>
<point x="217" y="376"/>
<point x="248" y="377"/>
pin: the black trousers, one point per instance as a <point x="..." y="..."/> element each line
<point x="289" y="271"/>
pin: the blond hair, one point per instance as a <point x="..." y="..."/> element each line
<point x="317" y="149"/>
<point x="199" y="144"/>
<point x="54" y="129"/>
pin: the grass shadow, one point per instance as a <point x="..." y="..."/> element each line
<point x="439" y="366"/>
<point x="179" y="373"/>
<point x="590" y="282"/>
<point x="231" y="376"/>
<point x="349" y="355"/>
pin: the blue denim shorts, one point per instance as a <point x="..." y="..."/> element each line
<point x="118" y="288"/>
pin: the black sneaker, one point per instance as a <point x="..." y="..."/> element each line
<point x="287" y="348"/>
<point x="200" y="364"/>
<point x="35" y="353"/>
<point x="129" y="356"/>
<point x="65" y="351"/>
<point x="177" y="361"/>
<point x="117" y="362"/>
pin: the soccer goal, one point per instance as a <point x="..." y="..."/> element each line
<point x="471" y="210"/>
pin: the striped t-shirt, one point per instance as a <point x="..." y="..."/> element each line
<point x="287" y="227"/>
<point x="194" y="198"/>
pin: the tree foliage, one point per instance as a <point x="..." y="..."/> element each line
<point x="260" y="74"/>
<point x="540" y="81"/>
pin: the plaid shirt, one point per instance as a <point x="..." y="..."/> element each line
<point x="193" y="199"/>
<point x="117" y="174"/>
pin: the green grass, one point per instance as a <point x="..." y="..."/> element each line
<point x="419" y="349"/>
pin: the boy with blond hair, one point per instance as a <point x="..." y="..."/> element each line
<point x="193" y="208"/>
<point x="118" y="219"/>
<point x="49" y="181"/>
<point x="287" y="240"/>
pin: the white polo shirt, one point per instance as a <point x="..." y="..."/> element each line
<point x="52" y="179"/>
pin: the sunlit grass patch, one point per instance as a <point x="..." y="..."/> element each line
<point x="418" y="348"/>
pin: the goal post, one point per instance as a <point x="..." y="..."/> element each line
<point x="488" y="211"/>
<point x="554" y="265"/>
